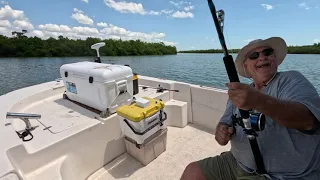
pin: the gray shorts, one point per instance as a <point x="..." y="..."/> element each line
<point x="225" y="167"/>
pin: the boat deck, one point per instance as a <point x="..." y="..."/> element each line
<point x="192" y="143"/>
<point x="72" y="142"/>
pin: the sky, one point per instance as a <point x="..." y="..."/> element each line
<point x="188" y="25"/>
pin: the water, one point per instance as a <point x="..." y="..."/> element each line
<point x="201" y="69"/>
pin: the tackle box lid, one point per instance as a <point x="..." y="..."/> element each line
<point x="136" y="114"/>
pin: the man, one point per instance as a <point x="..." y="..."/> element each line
<point x="290" y="142"/>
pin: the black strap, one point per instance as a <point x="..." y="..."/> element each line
<point x="24" y="134"/>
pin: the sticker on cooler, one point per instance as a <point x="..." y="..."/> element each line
<point x="71" y="87"/>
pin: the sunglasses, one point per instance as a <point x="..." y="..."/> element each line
<point x="265" y="52"/>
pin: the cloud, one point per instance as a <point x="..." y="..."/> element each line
<point x="126" y="7"/>
<point x="154" y="13"/>
<point x="188" y="8"/>
<point x="304" y="6"/>
<point x="267" y="6"/>
<point x="77" y="10"/>
<point x="316" y="40"/>
<point x="13" y="20"/>
<point x="22" y="24"/>
<point x="102" y="24"/>
<point x="180" y="3"/>
<point x="137" y="8"/>
<point x="86" y="1"/>
<point x="45" y="31"/>
<point x="182" y="14"/>
<point x="168" y="43"/>
<point x="4" y="2"/>
<point x="5" y="23"/>
<point x="7" y="12"/>
<point x="81" y="17"/>
<point x="166" y="11"/>
<point x="54" y="28"/>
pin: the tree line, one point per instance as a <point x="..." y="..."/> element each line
<point x="22" y="46"/>
<point x="306" y="49"/>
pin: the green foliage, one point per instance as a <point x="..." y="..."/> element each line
<point x="306" y="49"/>
<point x="23" y="46"/>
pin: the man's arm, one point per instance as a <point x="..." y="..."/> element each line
<point x="297" y="105"/>
<point x="287" y="113"/>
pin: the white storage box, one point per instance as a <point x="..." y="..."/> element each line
<point x="104" y="87"/>
<point x="150" y="150"/>
<point x="139" y="123"/>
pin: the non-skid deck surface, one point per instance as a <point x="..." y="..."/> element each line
<point x="184" y="145"/>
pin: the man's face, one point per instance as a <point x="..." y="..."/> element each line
<point x="261" y="63"/>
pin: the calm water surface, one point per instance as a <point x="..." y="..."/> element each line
<point x="201" y="69"/>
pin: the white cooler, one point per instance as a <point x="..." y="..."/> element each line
<point x="139" y="121"/>
<point x="104" y="87"/>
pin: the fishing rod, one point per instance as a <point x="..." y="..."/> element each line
<point x="250" y="122"/>
<point x="159" y="89"/>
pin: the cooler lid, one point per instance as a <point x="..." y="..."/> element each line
<point x="135" y="113"/>
<point x="99" y="71"/>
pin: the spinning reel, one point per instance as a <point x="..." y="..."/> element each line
<point x="257" y="121"/>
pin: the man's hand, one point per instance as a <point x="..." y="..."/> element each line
<point x="243" y="96"/>
<point x="223" y="134"/>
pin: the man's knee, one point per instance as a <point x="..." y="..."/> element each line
<point x="193" y="171"/>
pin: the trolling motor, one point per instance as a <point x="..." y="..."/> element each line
<point x="250" y="122"/>
<point x="97" y="46"/>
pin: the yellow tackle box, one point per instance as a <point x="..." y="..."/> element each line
<point x="136" y="114"/>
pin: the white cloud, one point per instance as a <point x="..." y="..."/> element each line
<point x="85" y="31"/>
<point x="81" y="17"/>
<point x="267" y="6"/>
<point x="175" y="3"/>
<point x="77" y="10"/>
<point x="316" y="41"/>
<point x="102" y="24"/>
<point x="154" y="13"/>
<point x="86" y="1"/>
<point x="166" y="11"/>
<point x="37" y="33"/>
<point x="54" y="28"/>
<point x="182" y="14"/>
<point x="4" y="2"/>
<point x="22" y="24"/>
<point x="188" y="8"/>
<point x="5" y="31"/>
<point x="7" y="13"/>
<point x="168" y="43"/>
<point x="137" y="8"/>
<point x="45" y="31"/>
<point x="13" y="20"/>
<point x="5" y="23"/>
<point x="126" y="7"/>
<point x="178" y="4"/>
<point x="304" y="6"/>
<point x="116" y="32"/>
